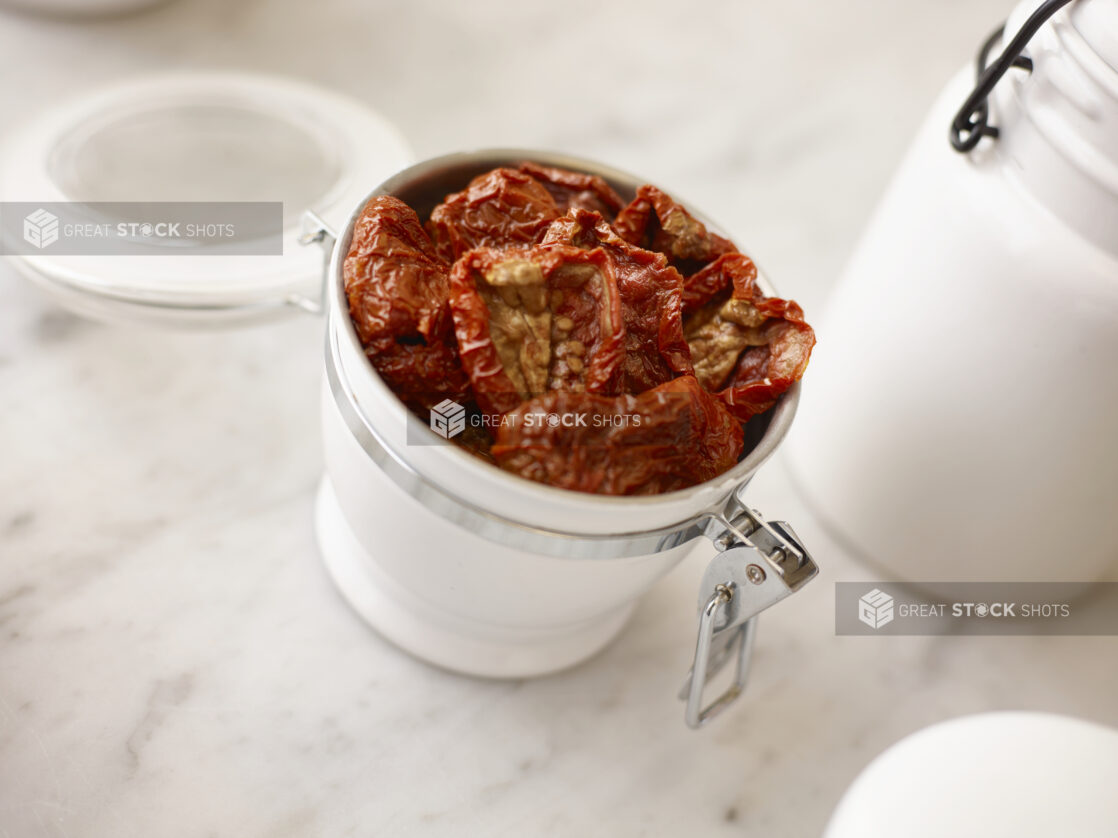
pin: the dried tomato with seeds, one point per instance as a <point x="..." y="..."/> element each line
<point x="651" y="290"/>
<point x="667" y="438"/>
<point x="398" y="293"/>
<point x="532" y="320"/>
<point x="747" y="347"/>
<point x="501" y="208"/>
<point x="655" y="221"/>
<point x="574" y="190"/>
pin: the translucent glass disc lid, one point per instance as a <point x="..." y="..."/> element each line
<point x="191" y="152"/>
<point x="198" y="138"/>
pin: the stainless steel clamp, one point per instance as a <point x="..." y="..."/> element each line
<point x="759" y="563"/>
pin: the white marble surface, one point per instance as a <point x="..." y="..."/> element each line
<point x="173" y="660"/>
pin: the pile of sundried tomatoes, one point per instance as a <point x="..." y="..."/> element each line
<point x="597" y="346"/>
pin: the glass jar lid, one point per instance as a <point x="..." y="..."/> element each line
<point x="249" y="143"/>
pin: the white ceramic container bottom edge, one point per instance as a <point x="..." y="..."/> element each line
<point x="454" y="598"/>
<point x="448" y="641"/>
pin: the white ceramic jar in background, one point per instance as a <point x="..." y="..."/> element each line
<point x="960" y="422"/>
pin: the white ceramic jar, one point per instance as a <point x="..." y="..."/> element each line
<point x="961" y="415"/>
<point x="463" y="565"/>
<point x="475" y="569"/>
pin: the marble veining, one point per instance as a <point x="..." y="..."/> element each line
<point x="173" y="659"/>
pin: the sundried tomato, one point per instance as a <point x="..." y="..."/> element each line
<point x="501" y="208"/>
<point x="655" y="221"/>
<point x="667" y="438"/>
<point x="655" y="349"/>
<point x="421" y="375"/>
<point x="395" y="281"/>
<point x="574" y="190"/>
<point x="530" y="320"/>
<point x="747" y="347"/>
<point x="731" y="271"/>
<point x="765" y="372"/>
<point x="398" y="293"/>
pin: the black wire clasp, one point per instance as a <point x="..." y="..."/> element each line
<point x="972" y="122"/>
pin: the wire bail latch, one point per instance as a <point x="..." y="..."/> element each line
<point x="972" y="122"/>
